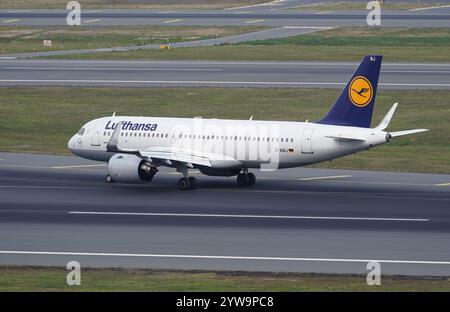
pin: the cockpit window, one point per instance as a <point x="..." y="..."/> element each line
<point x="81" y="132"/>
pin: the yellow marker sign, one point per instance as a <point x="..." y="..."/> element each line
<point x="360" y="91"/>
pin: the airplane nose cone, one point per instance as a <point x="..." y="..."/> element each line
<point x="71" y="144"/>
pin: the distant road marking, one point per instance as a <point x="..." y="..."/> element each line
<point x="443" y="184"/>
<point x="325" y="177"/>
<point x="173" y="21"/>
<point x="307" y="27"/>
<point x="431" y="7"/>
<point x="280" y="63"/>
<point x="148" y="255"/>
<point x="196" y="215"/>
<point x="275" y="2"/>
<point x="111" y="68"/>
<point x="18" y="11"/>
<point x="254" y="21"/>
<point x="291" y="83"/>
<point x="91" y="21"/>
<point x="11" y="21"/>
<point x="78" y="166"/>
<point x="186" y="69"/>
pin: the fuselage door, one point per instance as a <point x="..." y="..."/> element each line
<point x="95" y="136"/>
<point x="307" y="141"/>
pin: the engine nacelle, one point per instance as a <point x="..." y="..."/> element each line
<point x="129" y="168"/>
<point x="219" y="172"/>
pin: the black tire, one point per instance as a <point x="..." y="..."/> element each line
<point x="109" y="179"/>
<point x="242" y="179"/>
<point x="251" y="178"/>
<point x="193" y="182"/>
<point x="184" y="184"/>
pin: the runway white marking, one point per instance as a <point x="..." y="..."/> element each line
<point x="199" y="82"/>
<point x="443" y="184"/>
<point x="325" y="177"/>
<point x="431" y="7"/>
<point x="113" y="69"/>
<point x="53" y="187"/>
<point x="307" y="27"/>
<point x="417" y="71"/>
<point x="204" y="215"/>
<point x="187" y="69"/>
<point x="254" y="21"/>
<point x="326" y="12"/>
<point x="148" y="255"/>
<point x="19" y="11"/>
<point x="173" y="21"/>
<point x="11" y="21"/>
<point x="91" y="21"/>
<point x="78" y="166"/>
<point x="275" y="2"/>
<point x="282" y="63"/>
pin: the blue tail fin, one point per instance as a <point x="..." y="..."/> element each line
<point x="354" y="106"/>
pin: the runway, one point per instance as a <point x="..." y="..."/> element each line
<point x="57" y="208"/>
<point x="130" y="73"/>
<point x="240" y="17"/>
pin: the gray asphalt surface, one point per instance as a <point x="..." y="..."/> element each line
<point x="426" y="18"/>
<point x="54" y="209"/>
<point x="215" y="73"/>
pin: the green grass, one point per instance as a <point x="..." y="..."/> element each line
<point x="30" y="39"/>
<point x="42" y="119"/>
<point x="340" y="44"/>
<point x="361" y="5"/>
<point x="54" y="279"/>
<point x="367" y="36"/>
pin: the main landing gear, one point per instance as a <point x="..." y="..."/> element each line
<point x="186" y="182"/>
<point x="246" y="178"/>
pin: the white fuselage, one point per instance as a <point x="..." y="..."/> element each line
<point x="242" y="143"/>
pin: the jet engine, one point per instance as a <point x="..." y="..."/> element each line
<point x="130" y="168"/>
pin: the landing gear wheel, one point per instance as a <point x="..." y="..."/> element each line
<point x="109" y="179"/>
<point x="242" y="179"/>
<point x="184" y="184"/>
<point x="251" y="178"/>
<point x="193" y="182"/>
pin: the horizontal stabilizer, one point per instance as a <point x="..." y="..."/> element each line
<point x="346" y="138"/>
<point x="406" y="132"/>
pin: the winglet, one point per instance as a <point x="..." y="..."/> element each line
<point x="112" y="145"/>
<point x="387" y="119"/>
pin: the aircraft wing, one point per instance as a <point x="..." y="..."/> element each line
<point x="168" y="156"/>
<point x="171" y="156"/>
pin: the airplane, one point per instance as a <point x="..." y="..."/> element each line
<point x="135" y="147"/>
